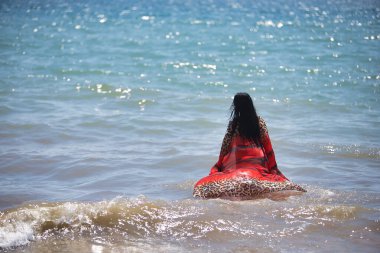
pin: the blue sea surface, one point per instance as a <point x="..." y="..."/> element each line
<point x="126" y="103"/>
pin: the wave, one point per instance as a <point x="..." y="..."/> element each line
<point x="182" y="219"/>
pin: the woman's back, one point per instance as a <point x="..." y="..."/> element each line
<point x="238" y="152"/>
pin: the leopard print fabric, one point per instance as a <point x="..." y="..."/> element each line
<point x="227" y="140"/>
<point x="242" y="187"/>
<point x="263" y="129"/>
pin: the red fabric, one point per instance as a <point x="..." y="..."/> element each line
<point x="245" y="173"/>
<point x="245" y="155"/>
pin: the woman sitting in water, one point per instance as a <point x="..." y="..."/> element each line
<point x="247" y="166"/>
<point x="246" y="143"/>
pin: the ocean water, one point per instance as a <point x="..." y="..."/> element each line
<point x="110" y="111"/>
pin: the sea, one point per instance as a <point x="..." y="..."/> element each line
<point x="111" y="111"/>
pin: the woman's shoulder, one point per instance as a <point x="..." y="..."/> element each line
<point x="263" y="127"/>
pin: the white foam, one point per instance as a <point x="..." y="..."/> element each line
<point x="12" y="235"/>
<point x="329" y="193"/>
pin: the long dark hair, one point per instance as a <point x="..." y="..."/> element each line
<point x="244" y="117"/>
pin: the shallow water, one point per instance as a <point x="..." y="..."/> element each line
<point x="110" y="112"/>
<point x="321" y="220"/>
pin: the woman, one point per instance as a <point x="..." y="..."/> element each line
<point x="246" y="143"/>
<point x="246" y="153"/>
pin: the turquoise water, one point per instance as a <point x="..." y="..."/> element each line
<point x="111" y="111"/>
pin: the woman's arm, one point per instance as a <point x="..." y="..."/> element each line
<point x="268" y="149"/>
<point x="226" y="145"/>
